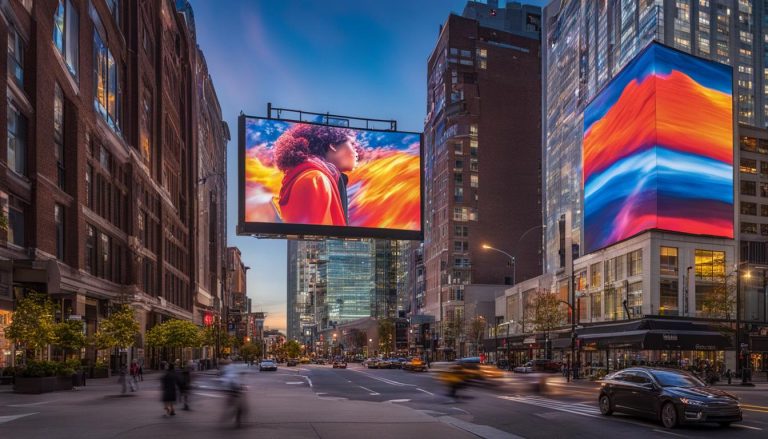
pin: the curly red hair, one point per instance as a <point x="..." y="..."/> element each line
<point x="301" y="141"/>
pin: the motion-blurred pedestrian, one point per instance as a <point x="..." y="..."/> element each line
<point x="134" y="371"/>
<point x="185" y="383"/>
<point x="123" y="379"/>
<point x="236" y="400"/>
<point x="170" y="382"/>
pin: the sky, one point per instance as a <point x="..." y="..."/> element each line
<point x="365" y="58"/>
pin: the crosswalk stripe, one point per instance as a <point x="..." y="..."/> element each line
<point x="4" y="419"/>
<point x="574" y="408"/>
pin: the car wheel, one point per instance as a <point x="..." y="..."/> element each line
<point x="669" y="415"/>
<point x="725" y="424"/>
<point x="605" y="405"/>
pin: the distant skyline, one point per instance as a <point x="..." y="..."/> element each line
<point x="349" y="57"/>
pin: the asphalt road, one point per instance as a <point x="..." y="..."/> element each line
<point x="511" y="405"/>
<point x="312" y="401"/>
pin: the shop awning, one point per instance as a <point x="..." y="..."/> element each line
<point x="657" y="335"/>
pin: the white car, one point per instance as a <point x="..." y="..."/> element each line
<point x="526" y="368"/>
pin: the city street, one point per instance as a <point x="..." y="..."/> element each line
<point x="319" y="401"/>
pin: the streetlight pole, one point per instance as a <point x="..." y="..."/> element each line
<point x="741" y="362"/>
<point x="511" y="260"/>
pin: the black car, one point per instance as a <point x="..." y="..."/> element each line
<point x="672" y="396"/>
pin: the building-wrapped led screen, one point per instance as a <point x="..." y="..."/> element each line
<point x="658" y="150"/>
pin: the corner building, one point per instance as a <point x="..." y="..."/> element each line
<point x="99" y="182"/>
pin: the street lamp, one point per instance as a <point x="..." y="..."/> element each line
<point x="511" y="261"/>
<point x="742" y="363"/>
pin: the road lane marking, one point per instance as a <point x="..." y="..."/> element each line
<point x="667" y="432"/>
<point x="10" y="418"/>
<point x="391" y="382"/>
<point x="309" y="381"/>
<point x="398" y="400"/>
<point x="212" y="395"/>
<point x="573" y="408"/>
<point x="461" y="410"/>
<point x="294" y="382"/>
<point x="745" y="426"/>
<point x="425" y="391"/>
<point x="371" y="392"/>
<point x="31" y="404"/>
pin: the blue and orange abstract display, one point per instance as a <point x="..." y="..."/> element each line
<point x="658" y="150"/>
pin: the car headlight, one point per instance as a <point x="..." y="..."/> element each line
<point x="693" y="402"/>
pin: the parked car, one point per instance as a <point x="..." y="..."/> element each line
<point x="415" y="364"/>
<point x="304" y="360"/>
<point x="267" y="365"/>
<point x="671" y="396"/>
<point x="384" y="363"/>
<point x="525" y="368"/>
<point x="371" y="363"/>
<point x="339" y="363"/>
<point x="292" y="362"/>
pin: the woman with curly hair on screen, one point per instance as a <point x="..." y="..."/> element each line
<point x="314" y="159"/>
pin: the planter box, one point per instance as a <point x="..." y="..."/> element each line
<point x="35" y="384"/>
<point x="100" y="373"/>
<point x="64" y="383"/>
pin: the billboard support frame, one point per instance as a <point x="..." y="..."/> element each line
<point x="328" y="117"/>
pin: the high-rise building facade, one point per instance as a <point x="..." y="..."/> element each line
<point x="101" y="126"/>
<point x="482" y="143"/>
<point x="335" y="281"/>
<point x="588" y="42"/>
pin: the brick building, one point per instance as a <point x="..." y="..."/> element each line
<point x="112" y="126"/>
<point x="482" y="161"/>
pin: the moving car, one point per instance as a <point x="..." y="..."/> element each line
<point x="478" y="370"/>
<point x="292" y="362"/>
<point x="339" y="363"/>
<point x="672" y="396"/>
<point x="267" y="365"/>
<point x="415" y="364"/>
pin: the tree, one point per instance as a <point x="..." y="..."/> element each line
<point x="548" y="312"/>
<point x="359" y="339"/>
<point x="119" y="330"/>
<point x="68" y="335"/>
<point x="292" y="349"/>
<point x="476" y="331"/>
<point x="174" y="334"/>
<point x="721" y="302"/>
<point x="33" y="323"/>
<point x="251" y="352"/>
<point x="386" y="329"/>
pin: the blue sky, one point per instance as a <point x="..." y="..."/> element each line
<point x="353" y="57"/>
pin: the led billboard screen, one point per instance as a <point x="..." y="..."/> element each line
<point x="300" y="178"/>
<point x="658" y="150"/>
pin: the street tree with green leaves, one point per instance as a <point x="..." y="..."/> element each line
<point x="69" y="337"/>
<point x="33" y="325"/>
<point x="174" y="334"/>
<point x="386" y="329"/>
<point x="119" y="330"/>
<point x="292" y="349"/>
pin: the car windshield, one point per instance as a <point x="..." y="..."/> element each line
<point x="676" y="379"/>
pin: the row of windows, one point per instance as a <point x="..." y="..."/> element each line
<point x="752" y="228"/>
<point x="749" y="208"/>
<point x="104" y="257"/>
<point x="615" y="268"/>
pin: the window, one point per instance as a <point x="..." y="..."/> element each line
<point x="58" y="215"/>
<point x="668" y="297"/>
<point x="458" y="166"/>
<point x="764" y="210"/>
<point x="90" y="249"/>
<point x="597" y="305"/>
<point x="764" y="189"/>
<point x="595" y="275"/>
<point x="458" y="178"/>
<point x="473" y="148"/>
<point x="610" y="270"/>
<point x="114" y="9"/>
<point x="15" y="57"/>
<point x="635" y="263"/>
<point x="58" y="134"/>
<point x="65" y="33"/>
<point x="17" y="141"/>
<point x="107" y="85"/>
<point x="458" y="148"/>
<point x="105" y="263"/>
<point x="668" y="256"/>
<point x="89" y="186"/>
<point x="17" y="212"/>
<point x="461" y="246"/>
<point x="748" y="228"/>
<point x="474" y="180"/>
<point x="748" y="144"/>
<point x="764" y="169"/>
<point x="461" y="231"/>
<point x="748" y="187"/>
<point x="105" y="159"/>
<point x="635" y="299"/>
<point x="748" y="208"/>
<point x="710" y="265"/>
<point x="458" y="194"/>
<point x="473" y="165"/>
<point x="748" y="166"/>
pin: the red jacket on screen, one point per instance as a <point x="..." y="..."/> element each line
<point x="310" y="195"/>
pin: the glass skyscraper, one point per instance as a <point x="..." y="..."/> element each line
<point x="333" y="282"/>
<point x="589" y="41"/>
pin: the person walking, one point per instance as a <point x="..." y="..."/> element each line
<point x="185" y="384"/>
<point x="729" y="375"/>
<point x="170" y="382"/>
<point x="123" y="379"/>
<point x="134" y="371"/>
<point x="141" y="371"/>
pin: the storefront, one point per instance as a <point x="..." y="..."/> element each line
<point x="667" y="343"/>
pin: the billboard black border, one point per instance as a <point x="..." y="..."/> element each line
<point x="282" y="230"/>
